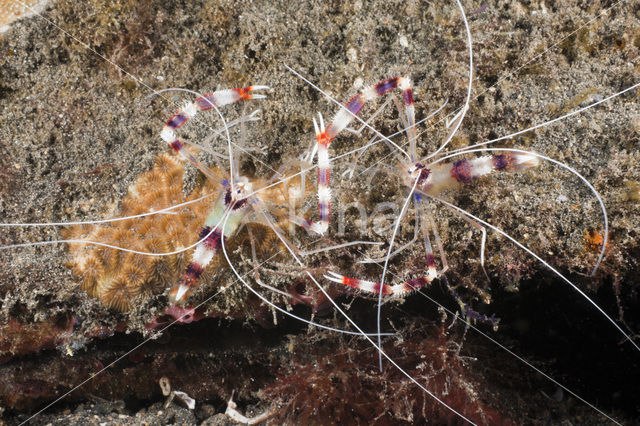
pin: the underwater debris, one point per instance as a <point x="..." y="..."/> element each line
<point x="165" y="386"/>
<point x="236" y="416"/>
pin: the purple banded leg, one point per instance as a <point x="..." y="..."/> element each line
<point x="205" y="251"/>
<point x="203" y="103"/>
<point x="342" y="119"/>
<point x="346" y="114"/>
<point x="468" y="313"/>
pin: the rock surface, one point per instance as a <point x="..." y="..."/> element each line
<point x="77" y="128"/>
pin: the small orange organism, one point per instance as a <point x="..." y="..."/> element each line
<point x="593" y="240"/>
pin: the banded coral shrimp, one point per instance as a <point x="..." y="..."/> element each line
<point x="121" y="302"/>
<point x="104" y="328"/>
<point x="354" y="105"/>
<point x="345" y="35"/>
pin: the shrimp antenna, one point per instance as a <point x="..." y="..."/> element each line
<point x="341" y="311"/>
<point x="547" y="123"/>
<point x="457" y="119"/>
<point x="386" y="265"/>
<point x="605" y="218"/>
<point x="530" y="252"/>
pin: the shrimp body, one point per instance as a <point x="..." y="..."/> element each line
<point x="439" y="177"/>
<point x="211" y="236"/>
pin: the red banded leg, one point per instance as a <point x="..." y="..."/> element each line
<point x="386" y="289"/>
<point x="325" y="135"/>
<point x="203" y="103"/>
<point x="409" y="286"/>
<point x="397" y="289"/>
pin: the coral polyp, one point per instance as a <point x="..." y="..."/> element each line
<point x="118" y="277"/>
